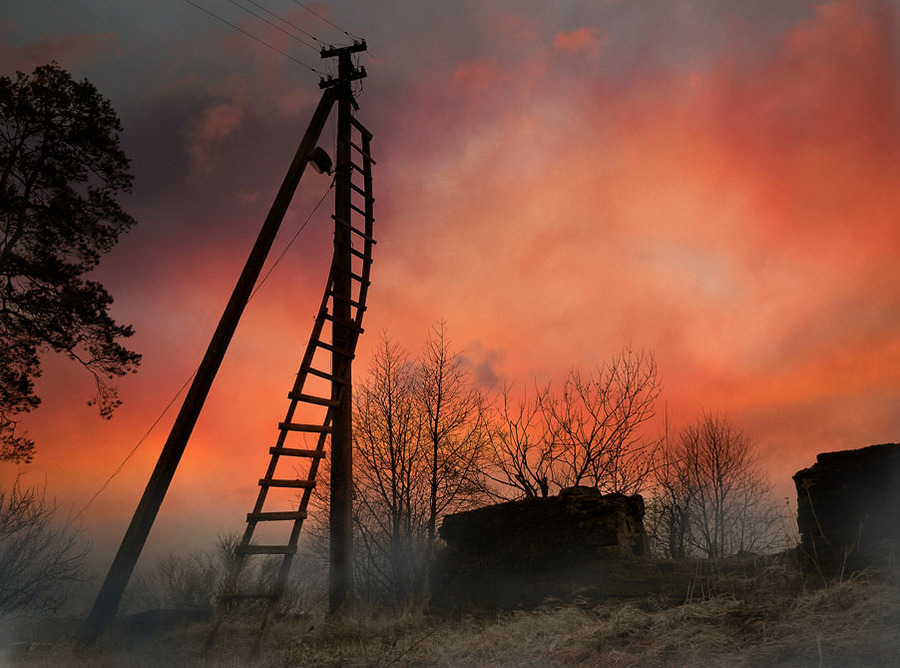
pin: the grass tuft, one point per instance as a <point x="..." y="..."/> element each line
<point x="765" y="615"/>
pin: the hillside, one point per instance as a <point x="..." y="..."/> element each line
<point x="772" y="615"/>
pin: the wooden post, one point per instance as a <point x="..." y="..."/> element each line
<point x="110" y="595"/>
<point x="340" y="575"/>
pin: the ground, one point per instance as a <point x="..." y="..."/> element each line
<point x="773" y="616"/>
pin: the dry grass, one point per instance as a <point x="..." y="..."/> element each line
<point x="761" y="618"/>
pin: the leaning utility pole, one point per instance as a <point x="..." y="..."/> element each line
<point x="345" y="330"/>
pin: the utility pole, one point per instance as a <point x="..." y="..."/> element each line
<point x="110" y="596"/>
<point x="340" y="574"/>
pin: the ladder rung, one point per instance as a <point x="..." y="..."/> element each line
<point x="350" y="227"/>
<point x="310" y="399"/>
<point x="277" y="516"/>
<point x="362" y="192"/>
<point x="361" y="212"/>
<point x="362" y="256"/>
<point x="337" y="351"/>
<point x="350" y="325"/>
<point x="359" y="126"/>
<point x="296" y="452"/>
<point x="364" y="154"/>
<point x="274" y="482"/>
<point x="355" y="304"/>
<point x="295" y="426"/>
<point x="265" y="549"/>
<point x="354" y="276"/>
<point x="325" y="374"/>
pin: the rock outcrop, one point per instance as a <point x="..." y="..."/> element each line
<point x="519" y="553"/>
<point x="848" y="508"/>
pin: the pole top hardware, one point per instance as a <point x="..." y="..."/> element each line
<point x="332" y="51"/>
<point x="334" y="81"/>
<point x="348" y="72"/>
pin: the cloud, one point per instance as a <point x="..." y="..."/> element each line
<point x="474" y="77"/>
<point x="731" y="208"/>
<point x="582" y="40"/>
<point x="735" y="217"/>
<point x="764" y="189"/>
<point x="816" y="125"/>
<point x="69" y="51"/>
<point x="484" y="364"/>
<point x="214" y="125"/>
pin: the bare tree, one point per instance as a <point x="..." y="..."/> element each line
<point x="455" y="428"/>
<point x="717" y="459"/>
<point x="596" y="424"/>
<point x="390" y="472"/>
<point x="712" y="494"/>
<point x="420" y="440"/>
<point x="521" y="455"/>
<point x="41" y="558"/>
<point x="668" y="518"/>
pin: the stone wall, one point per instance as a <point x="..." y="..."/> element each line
<point x="848" y="508"/>
<point x="519" y="553"/>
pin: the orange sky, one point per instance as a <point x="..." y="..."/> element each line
<point x="710" y="181"/>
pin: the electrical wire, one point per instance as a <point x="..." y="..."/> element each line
<point x="284" y="251"/>
<point x="285" y="21"/>
<point x="291" y="242"/>
<point x="277" y="27"/>
<point x="315" y="13"/>
<point x="165" y="410"/>
<point x="136" y="446"/>
<point x="252" y="36"/>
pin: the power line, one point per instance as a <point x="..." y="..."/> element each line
<point x="165" y="410"/>
<point x="136" y="446"/>
<point x="277" y="27"/>
<point x="293" y="239"/>
<point x="314" y="12"/>
<point x="284" y="20"/>
<point x="252" y="36"/>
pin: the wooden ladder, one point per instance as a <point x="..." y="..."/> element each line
<point x="304" y="434"/>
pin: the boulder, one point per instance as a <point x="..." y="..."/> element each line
<point x="848" y="508"/>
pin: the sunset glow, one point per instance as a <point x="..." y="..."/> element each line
<point x="713" y="181"/>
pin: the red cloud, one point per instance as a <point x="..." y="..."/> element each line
<point x="817" y="124"/>
<point x="582" y="40"/>
<point x="69" y="51"/>
<point x="728" y="216"/>
<point x="215" y="124"/>
<point x="475" y="76"/>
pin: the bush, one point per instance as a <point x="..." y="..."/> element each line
<point x="180" y="582"/>
<point x="40" y="559"/>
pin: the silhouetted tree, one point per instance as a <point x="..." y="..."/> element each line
<point x="455" y="428"/>
<point x="521" y="456"/>
<point x="589" y="432"/>
<point x="420" y="442"/>
<point x="61" y="170"/>
<point x="390" y="469"/>
<point x="713" y="498"/>
<point x="595" y="423"/>
<point x="668" y="518"/>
